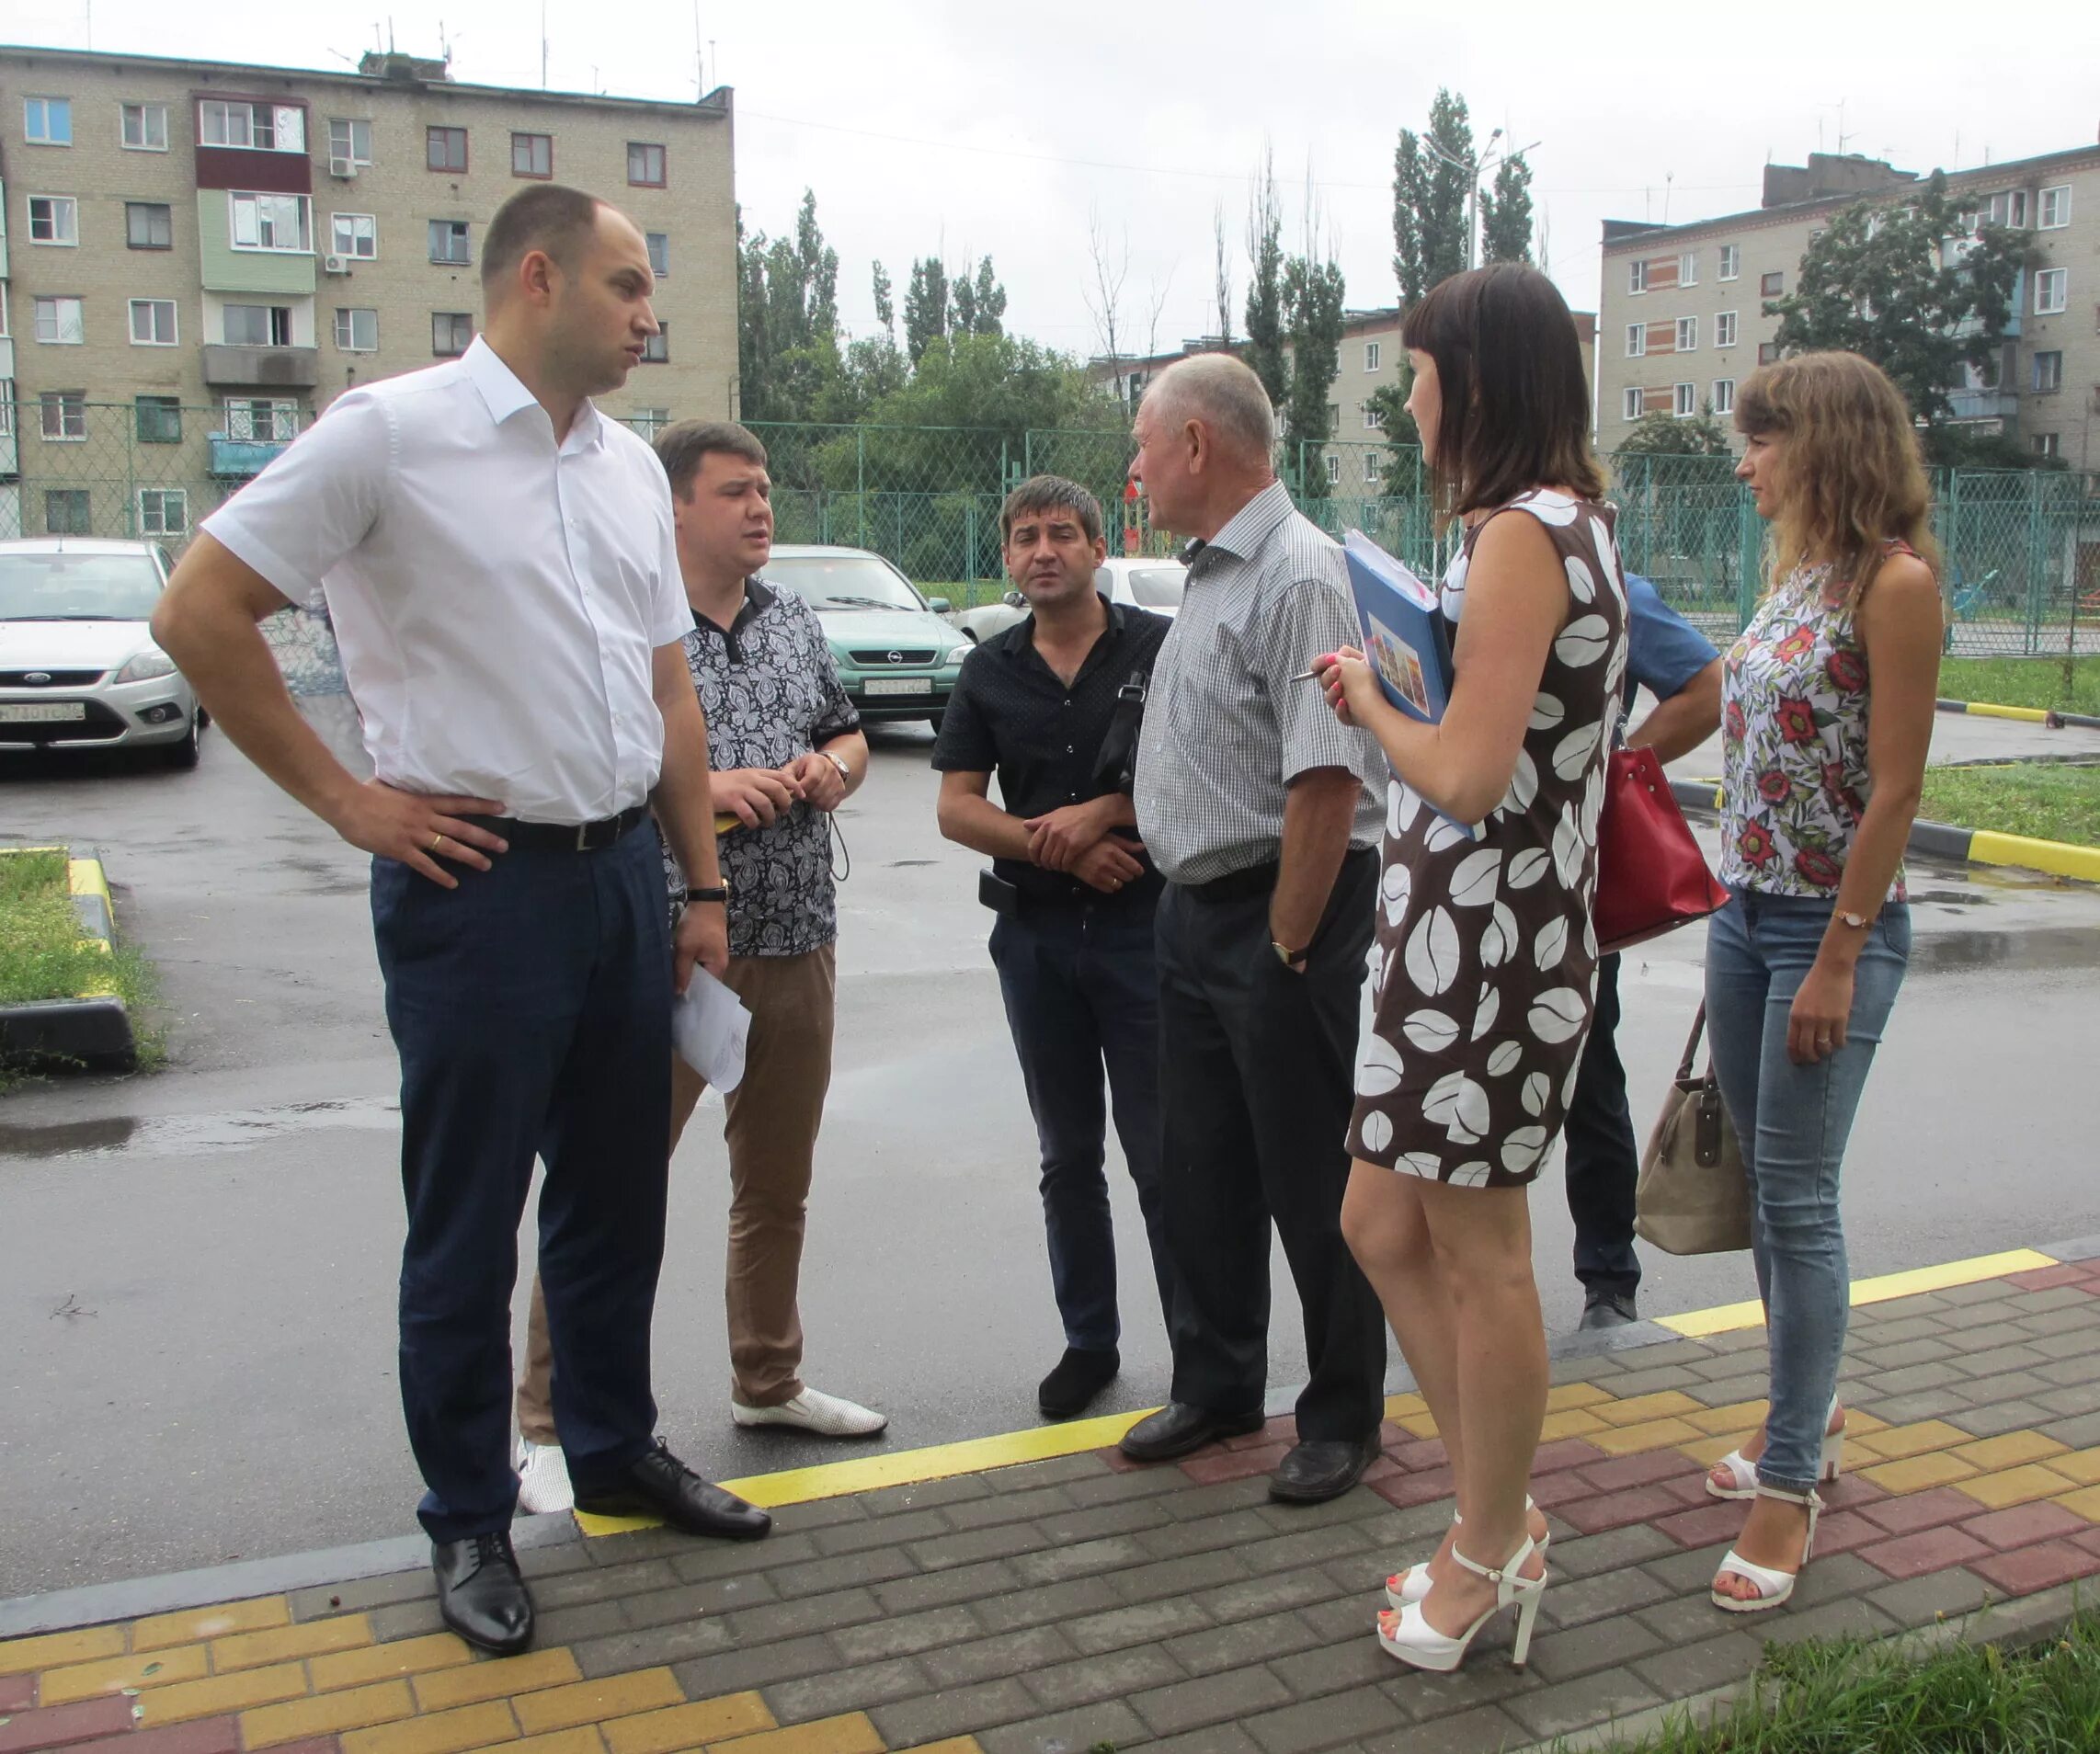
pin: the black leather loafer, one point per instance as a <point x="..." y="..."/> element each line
<point x="1314" y="1472"/>
<point x="1179" y="1429"/>
<point x="1080" y="1375"/>
<point x="481" y="1595"/>
<point x="1608" y="1309"/>
<point x="658" y="1484"/>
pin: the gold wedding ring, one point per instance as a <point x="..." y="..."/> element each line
<point x="437" y="840"/>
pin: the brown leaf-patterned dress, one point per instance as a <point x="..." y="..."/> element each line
<point x="1487" y="958"/>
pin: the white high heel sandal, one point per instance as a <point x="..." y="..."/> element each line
<point x="1772" y="1587"/>
<point x="1743" y="1474"/>
<point x="1408" y="1635"/>
<point x="1413" y="1584"/>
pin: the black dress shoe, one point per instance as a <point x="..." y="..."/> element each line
<point x="1080" y="1375"/>
<point x="1608" y="1309"/>
<point x="480" y="1593"/>
<point x="658" y="1484"/>
<point x="1179" y="1429"/>
<point x="1320" y="1469"/>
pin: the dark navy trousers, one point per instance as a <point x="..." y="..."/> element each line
<point x="531" y="1009"/>
<point x="1603" y="1163"/>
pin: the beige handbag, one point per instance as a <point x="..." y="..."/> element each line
<point x="1695" y="1195"/>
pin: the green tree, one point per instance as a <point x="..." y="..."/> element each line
<point x="925" y="306"/>
<point x="1313" y="296"/>
<point x="886" y="307"/>
<point x="1265" y="313"/>
<point x="1669" y="435"/>
<point x="1907" y="285"/>
<point x="1505" y="215"/>
<point x="1430" y="190"/>
<point x="754" y="349"/>
<point x="989" y="302"/>
<point x="787" y="319"/>
<point x="1403" y="438"/>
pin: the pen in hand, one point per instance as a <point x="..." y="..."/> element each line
<point x="1321" y="665"/>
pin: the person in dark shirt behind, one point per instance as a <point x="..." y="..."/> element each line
<point x="1053" y="705"/>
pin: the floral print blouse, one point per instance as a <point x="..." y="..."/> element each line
<point x="1794" y="705"/>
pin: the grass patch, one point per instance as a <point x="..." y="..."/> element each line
<point x="43" y="955"/>
<point x="2023" y="682"/>
<point x="1848" y="1697"/>
<point x="2049" y="801"/>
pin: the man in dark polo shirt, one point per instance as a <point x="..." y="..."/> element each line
<point x="1053" y="705"/>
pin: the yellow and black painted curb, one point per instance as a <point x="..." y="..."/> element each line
<point x="92" y="1029"/>
<point x="2026" y="715"/>
<point x="1945" y="840"/>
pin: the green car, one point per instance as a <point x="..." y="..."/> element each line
<point x="895" y="655"/>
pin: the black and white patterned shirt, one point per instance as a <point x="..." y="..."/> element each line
<point x="770" y="692"/>
<point x="1228" y="727"/>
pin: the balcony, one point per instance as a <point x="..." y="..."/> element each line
<point x="2001" y="403"/>
<point x="242" y="459"/>
<point x="262" y="367"/>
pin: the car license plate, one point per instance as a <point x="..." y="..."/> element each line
<point x="900" y="685"/>
<point x="42" y="712"/>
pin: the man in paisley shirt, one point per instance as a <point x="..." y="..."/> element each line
<point x="786" y="749"/>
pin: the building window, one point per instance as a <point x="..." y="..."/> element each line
<point x="164" y="511"/>
<point x="47" y="121"/>
<point x="357" y="331"/>
<point x="1731" y="261"/>
<point x="58" y="321"/>
<point x="2044" y="444"/>
<point x="65" y="512"/>
<point x="657" y="350"/>
<point x="1687" y="400"/>
<point x="349" y="143"/>
<point x="1630" y="408"/>
<point x="2049" y="371"/>
<point x="54" y="219"/>
<point x="1724" y="329"/>
<point x="149" y="225"/>
<point x="282" y="223"/>
<point x="2055" y="210"/>
<point x="645" y="165"/>
<point x="1374" y="470"/>
<point x="2008" y="206"/>
<point x="1334" y="468"/>
<point x="1688" y="268"/>
<point x="1370" y="356"/>
<point x="1773" y="284"/>
<point x="63" y="415"/>
<point x="451" y="332"/>
<point x="355" y="236"/>
<point x="1637" y="340"/>
<point x="649" y="422"/>
<point x="256" y="326"/>
<point x="1636" y="277"/>
<point x="144" y="128"/>
<point x="262" y="127"/>
<point x="449" y="241"/>
<point x="445" y="149"/>
<point x="1374" y="418"/>
<point x="659" y="253"/>
<point x="258" y="420"/>
<point x="1724" y="395"/>
<point x="152" y="322"/>
<point x="2052" y="292"/>
<point x="1687" y="334"/>
<point x="160" y="420"/>
<point x="532" y="154"/>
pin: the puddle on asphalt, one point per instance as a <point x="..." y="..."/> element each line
<point x="192" y="1135"/>
<point x="2054" y="946"/>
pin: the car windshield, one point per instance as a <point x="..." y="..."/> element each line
<point x="1157" y="586"/>
<point x="58" y="587"/>
<point x="843" y="582"/>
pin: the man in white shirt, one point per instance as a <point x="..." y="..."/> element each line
<point x="498" y="561"/>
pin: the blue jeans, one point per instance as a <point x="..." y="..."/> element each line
<point x="1792" y="1122"/>
<point x="1080" y="996"/>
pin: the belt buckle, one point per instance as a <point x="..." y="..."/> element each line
<point x="586" y="840"/>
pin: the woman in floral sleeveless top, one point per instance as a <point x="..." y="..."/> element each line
<point x="1488" y="968"/>
<point x="1827" y="715"/>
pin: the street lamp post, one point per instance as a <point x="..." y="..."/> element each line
<point x="1473" y="167"/>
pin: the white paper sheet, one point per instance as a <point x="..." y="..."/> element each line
<point x="709" y="1028"/>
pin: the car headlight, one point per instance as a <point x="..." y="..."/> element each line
<point x="952" y="660"/>
<point x="144" y="667"/>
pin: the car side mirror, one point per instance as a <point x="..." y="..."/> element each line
<point x="1015" y="600"/>
<point x="939" y="605"/>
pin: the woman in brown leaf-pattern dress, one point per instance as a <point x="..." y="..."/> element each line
<point x="1487" y="965"/>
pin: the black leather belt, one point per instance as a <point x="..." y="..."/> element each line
<point x="1252" y="881"/>
<point x="564" y="836"/>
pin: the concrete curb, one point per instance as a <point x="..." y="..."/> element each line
<point x="92" y="1029"/>
<point x="2049" y="716"/>
<point x="1945" y="840"/>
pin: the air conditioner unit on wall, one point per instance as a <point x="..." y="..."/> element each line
<point x="342" y="168"/>
<point x="335" y="265"/>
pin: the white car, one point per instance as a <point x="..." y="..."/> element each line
<point x="1137" y="583"/>
<point x="78" y="665"/>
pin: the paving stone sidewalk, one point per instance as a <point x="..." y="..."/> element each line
<point x="1060" y="1606"/>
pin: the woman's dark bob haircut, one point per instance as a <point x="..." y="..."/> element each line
<point x="1516" y="410"/>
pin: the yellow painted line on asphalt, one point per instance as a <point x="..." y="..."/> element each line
<point x="1729" y="1318"/>
<point x="2059" y="857"/>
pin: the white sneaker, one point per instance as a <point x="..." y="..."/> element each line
<point x="543" y="1477"/>
<point x="813" y="1411"/>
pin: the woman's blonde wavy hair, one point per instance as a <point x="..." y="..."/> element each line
<point x="1850" y="477"/>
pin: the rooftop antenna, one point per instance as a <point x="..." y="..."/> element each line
<point x="1669" y="177"/>
<point x="542" y="45"/>
<point x="699" y="61"/>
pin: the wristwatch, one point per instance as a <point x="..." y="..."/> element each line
<point x="845" y="772"/>
<point x="1858" y="922"/>
<point x="720" y="893"/>
<point x="1286" y="954"/>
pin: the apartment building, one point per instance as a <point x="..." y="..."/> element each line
<point x="1682" y="306"/>
<point x="197" y="257"/>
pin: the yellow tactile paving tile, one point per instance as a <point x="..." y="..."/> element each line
<point x="954" y="1744"/>
<point x="2010" y="1450"/>
<point x="482" y="1725"/>
<point x="1640" y="1410"/>
<point x="2084" y="1502"/>
<point x="387" y="1662"/>
<point x="1567" y="1396"/>
<point x="1399" y="1406"/>
<point x="588" y="1739"/>
<point x="473" y="1682"/>
<point x="1731" y="1420"/>
<point x="1649" y="1434"/>
<point x="2009" y="1486"/>
<point x="592" y="1702"/>
<point x="1894" y="1442"/>
<point x="682" y="1726"/>
<point x="222" y="1694"/>
<point x="2083" y="1466"/>
<point x="851" y="1733"/>
<point x="193" y="1625"/>
<point x="288" y="1644"/>
<point x="325" y="1714"/>
<point x="1575" y="1421"/>
<point x="53" y="1650"/>
<point x="114" y="1674"/>
<point x="1918" y="1472"/>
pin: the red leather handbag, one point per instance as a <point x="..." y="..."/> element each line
<point x="1651" y="877"/>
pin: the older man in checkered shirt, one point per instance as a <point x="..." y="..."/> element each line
<point x="1258" y="808"/>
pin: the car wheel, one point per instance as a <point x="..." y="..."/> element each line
<point x="185" y="754"/>
<point x="933" y="719"/>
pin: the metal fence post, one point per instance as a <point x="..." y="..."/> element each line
<point x="2037" y="564"/>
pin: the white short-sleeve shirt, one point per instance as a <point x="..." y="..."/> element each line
<point x="496" y="595"/>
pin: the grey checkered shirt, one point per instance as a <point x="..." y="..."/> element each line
<point x="1226" y="729"/>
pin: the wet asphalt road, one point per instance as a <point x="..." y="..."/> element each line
<point x="196" y="1268"/>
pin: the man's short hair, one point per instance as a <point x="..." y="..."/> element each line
<point x="1224" y="394"/>
<point x="1041" y="494"/>
<point x="684" y="444"/>
<point x="549" y="217"/>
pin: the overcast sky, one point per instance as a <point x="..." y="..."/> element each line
<point x="969" y="129"/>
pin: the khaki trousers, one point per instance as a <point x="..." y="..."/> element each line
<point x="773" y="1116"/>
